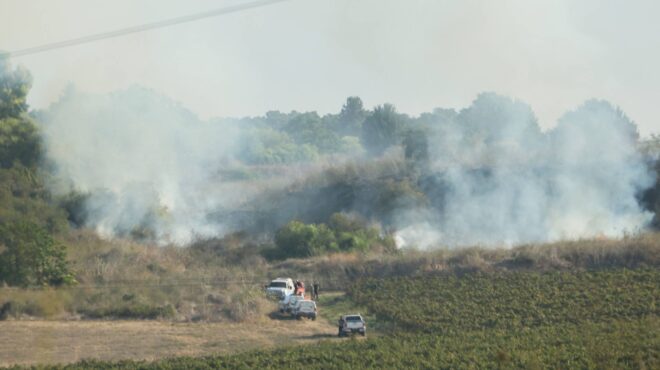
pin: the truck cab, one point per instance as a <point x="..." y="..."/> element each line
<point x="280" y="288"/>
<point x="349" y="324"/>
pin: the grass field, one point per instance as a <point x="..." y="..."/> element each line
<point x="584" y="347"/>
<point x="572" y="319"/>
<point x="61" y="342"/>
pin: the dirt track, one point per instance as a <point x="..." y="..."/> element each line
<point x="50" y="342"/>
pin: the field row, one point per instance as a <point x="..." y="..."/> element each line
<point x="617" y="344"/>
<point x="511" y="301"/>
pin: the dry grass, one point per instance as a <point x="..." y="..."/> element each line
<point x="124" y="279"/>
<point x="336" y="271"/>
<point x="52" y="342"/>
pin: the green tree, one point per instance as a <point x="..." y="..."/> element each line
<point x="351" y="117"/>
<point x="19" y="139"/>
<point x="14" y="87"/>
<point x="416" y="146"/>
<point x="382" y="129"/>
<point x="19" y="142"/>
<point x="269" y="146"/>
<point x="493" y="119"/>
<point x="308" y="128"/>
<point x="30" y="256"/>
<point x="297" y="239"/>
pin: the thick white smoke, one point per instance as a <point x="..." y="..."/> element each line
<point x="149" y="165"/>
<point x="144" y="161"/>
<point x="508" y="183"/>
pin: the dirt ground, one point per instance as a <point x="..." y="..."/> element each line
<point x="51" y="342"/>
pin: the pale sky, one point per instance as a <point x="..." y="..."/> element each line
<point x="311" y="54"/>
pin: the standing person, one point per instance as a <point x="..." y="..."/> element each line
<point x="315" y="290"/>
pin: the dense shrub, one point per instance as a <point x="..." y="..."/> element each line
<point x="30" y="256"/>
<point x="344" y="234"/>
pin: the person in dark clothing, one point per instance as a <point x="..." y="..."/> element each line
<point x="315" y="290"/>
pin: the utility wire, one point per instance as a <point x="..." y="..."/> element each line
<point x="140" y="28"/>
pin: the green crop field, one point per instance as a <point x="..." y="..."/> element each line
<point x="512" y="300"/>
<point x="586" y="320"/>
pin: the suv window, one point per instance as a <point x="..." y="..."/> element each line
<point x="277" y="284"/>
<point x="353" y="318"/>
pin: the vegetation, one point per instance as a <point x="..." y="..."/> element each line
<point x="28" y="253"/>
<point x="585" y="304"/>
<point x="31" y="257"/>
<point x="592" y="346"/>
<point x="512" y="301"/>
<point x="591" y="319"/>
<point x="343" y="234"/>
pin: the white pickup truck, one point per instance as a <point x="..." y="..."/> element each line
<point x="349" y="324"/>
<point x="287" y="304"/>
<point x="304" y="308"/>
<point x="280" y="288"/>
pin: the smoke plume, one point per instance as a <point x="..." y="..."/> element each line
<point x="150" y="168"/>
<point x="508" y="183"/>
<point x="145" y="162"/>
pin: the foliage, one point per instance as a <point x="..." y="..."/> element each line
<point x="611" y="321"/>
<point x="268" y="146"/>
<point x="382" y="129"/>
<point x="14" y="87"/>
<point x="650" y="199"/>
<point x="416" y="146"/>
<point x="512" y="301"/>
<point x="31" y="256"/>
<point x="351" y="117"/>
<point x="19" y="142"/>
<point x="344" y="234"/>
<point x="23" y="197"/>
<point x="308" y="128"/>
<point x="484" y="120"/>
<point x="629" y="345"/>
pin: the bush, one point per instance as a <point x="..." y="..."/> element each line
<point x="31" y="256"/>
<point x="345" y="234"/>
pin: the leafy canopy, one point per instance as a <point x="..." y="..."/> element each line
<point x="30" y="256"/>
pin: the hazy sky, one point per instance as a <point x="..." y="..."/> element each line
<point x="312" y="54"/>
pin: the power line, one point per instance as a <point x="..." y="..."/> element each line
<point x="140" y="28"/>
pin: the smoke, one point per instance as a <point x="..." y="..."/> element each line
<point x="508" y="183"/>
<point x="145" y="163"/>
<point x="151" y="169"/>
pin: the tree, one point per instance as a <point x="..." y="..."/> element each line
<point x="492" y="119"/>
<point x="381" y="129"/>
<point x="308" y="128"/>
<point x="30" y="256"/>
<point x="351" y="117"/>
<point x="298" y="240"/>
<point x="19" y="140"/>
<point x="416" y="146"/>
<point x="14" y="87"/>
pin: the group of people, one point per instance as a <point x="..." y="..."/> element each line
<point x="299" y="289"/>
